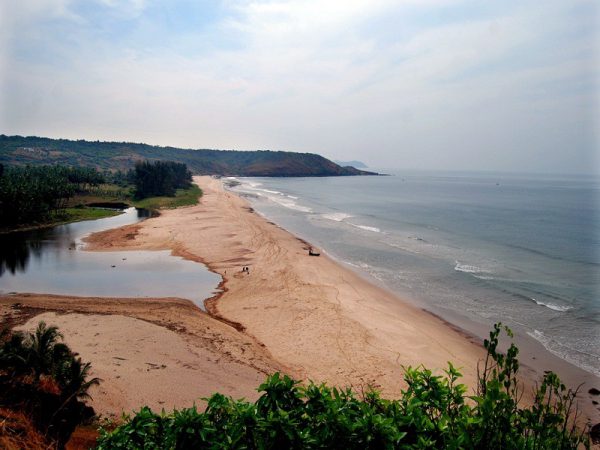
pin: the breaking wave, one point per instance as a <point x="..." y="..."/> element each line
<point x="576" y="357"/>
<point x="337" y="217"/>
<point x="469" y="269"/>
<point x="553" y="306"/>
<point x="366" y="228"/>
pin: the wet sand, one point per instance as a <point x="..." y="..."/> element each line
<point x="307" y="316"/>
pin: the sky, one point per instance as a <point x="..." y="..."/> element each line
<point x="509" y="85"/>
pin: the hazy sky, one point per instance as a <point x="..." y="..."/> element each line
<point x="492" y="85"/>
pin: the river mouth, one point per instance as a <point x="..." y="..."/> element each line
<point x="52" y="261"/>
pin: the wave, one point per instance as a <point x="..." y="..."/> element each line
<point x="370" y="270"/>
<point x="565" y="352"/>
<point x="337" y="217"/>
<point x="540" y="337"/>
<point x="405" y="247"/>
<point x="278" y="197"/>
<point x="365" y="227"/>
<point x="366" y="268"/>
<point x="469" y="269"/>
<point x="484" y="277"/>
<point x="290" y="204"/>
<point x="553" y="306"/>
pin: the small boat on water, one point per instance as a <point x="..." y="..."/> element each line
<point x="313" y="252"/>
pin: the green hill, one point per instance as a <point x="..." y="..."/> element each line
<point x="19" y="150"/>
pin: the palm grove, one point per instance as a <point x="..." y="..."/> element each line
<point x="38" y="194"/>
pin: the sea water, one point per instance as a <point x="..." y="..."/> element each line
<point x="524" y="250"/>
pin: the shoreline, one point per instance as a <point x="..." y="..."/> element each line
<point x="241" y="300"/>
<point x="534" y="357"/>
<point x="314" y="318"/>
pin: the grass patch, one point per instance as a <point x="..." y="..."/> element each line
<point x="86" y="213"/>
<point x="65" y="216"/>
<point x="183" y="197"/>
<point x="102" y="194"/>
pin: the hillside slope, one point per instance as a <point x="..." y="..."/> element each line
<point x="21" y="150"/>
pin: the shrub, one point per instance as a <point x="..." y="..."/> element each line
<point x="42" y="377"/>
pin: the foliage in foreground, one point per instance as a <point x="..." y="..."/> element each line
<point x="433" y="412"/>
<point x="41" y="377"/>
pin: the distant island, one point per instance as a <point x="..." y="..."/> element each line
<point x="355" y="164"/>
<point x="112" y="156"/>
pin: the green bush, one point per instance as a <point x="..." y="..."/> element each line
<point x="433" y="412"/>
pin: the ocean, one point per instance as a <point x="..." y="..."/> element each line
<point x="521" y="249"/>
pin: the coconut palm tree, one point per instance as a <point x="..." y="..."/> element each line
<point x="13" y="353"/>
<point x="43" y="347"/>
<point x="72" y="377"/>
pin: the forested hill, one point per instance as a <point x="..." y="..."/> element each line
<point x="18" y="150"/>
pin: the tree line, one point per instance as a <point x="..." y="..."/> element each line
<point x="33" y="194"/>
<point x="159" y="178"/>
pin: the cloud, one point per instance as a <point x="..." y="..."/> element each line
<point x="429" y="84"/>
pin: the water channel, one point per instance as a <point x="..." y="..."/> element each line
<point x="52" y="261"/>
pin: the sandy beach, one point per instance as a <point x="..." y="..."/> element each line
<point x="164" y="353"/>
<point x="306" y="316"/>
<point x="324" y="322"/>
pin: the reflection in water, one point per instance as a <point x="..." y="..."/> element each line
<point x="18" y="248"/>
<point x="51" y="261"/>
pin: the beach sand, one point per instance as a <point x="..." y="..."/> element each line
<point x="164" y="353"/>
<point x="306" y="316"/>
<point x="323" y="321"/>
